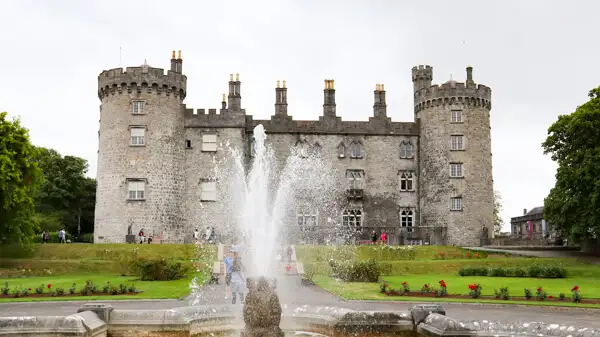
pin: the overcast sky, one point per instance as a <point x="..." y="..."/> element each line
<point x="539" y="57"/>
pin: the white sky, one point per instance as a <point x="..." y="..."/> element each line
<point x="539" y="57"/>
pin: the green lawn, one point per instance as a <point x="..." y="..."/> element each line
<point x="459" y="285"/>
<point x="151" y="289"/>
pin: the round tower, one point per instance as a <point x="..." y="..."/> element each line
<point x="141" y="153"/>
<point x="456" y="186"/>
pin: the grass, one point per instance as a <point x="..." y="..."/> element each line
<point x="370" y="291"/>
<point x="151" y="289"/>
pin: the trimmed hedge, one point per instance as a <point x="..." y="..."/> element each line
<point x="158" y="270"/>
<point x="535" y="271"/>
<point x="361" y="271"/>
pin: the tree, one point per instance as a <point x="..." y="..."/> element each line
<point x="67" y="197"/>
<point x="573" y="205"/>
<point x="19" y="178"/>
<point x="498" y="222"/>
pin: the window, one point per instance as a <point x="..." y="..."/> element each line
<point x="456" y="204"/>
<point x="407" y="220"/>
<point x="208" y="191"/>
<point x="355" y="179"/>
<point x="188" y="144"/>
<point x="138" y="136"/>
<point x="341" y="150"/>
<point x="456" y="142"/>
<point x="307" y="220"/>
<point x="136" y="190"/>
<point x="456" y="116"/>
<point x="355" y="150"/>
<point x="456" y="170"/>
<point x="353" y="219"/>
<point x="406" y="149"/>
<point x="406" y="181"/>
<point x="209" y="143"/>
<point x="138" y="107"/>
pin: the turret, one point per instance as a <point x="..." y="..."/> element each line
<point x="141" y="153"/>
<point x="456" y="191"/>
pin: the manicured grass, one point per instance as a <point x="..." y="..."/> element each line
<point x="319" y="253"/>
<point x="370" y="291"/>
<point x="151" y="290"/>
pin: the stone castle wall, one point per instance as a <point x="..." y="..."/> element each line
<point x="174" y="164"/>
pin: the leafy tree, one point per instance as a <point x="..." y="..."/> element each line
<point x="498" y="222"/>
<point x="19" y="178"/>
<point x="67" y="197"/>
<point x="573" y="205"/>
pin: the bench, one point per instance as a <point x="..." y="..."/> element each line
<point x="216" y="272"/>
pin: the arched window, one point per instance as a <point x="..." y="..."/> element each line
<point x="406" y="181"/>
<point x="353" y="219"/>
<point x="355" y="150"/>
<point x="406" y="149"/>
<point x="407" y="219"/>
<point x="341" y="150"/>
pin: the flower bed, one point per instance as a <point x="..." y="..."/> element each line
<point x="474" y="292"/>
<point x="89" y="289"/>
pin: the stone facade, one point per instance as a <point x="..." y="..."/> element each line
<point x="419" y="182"/>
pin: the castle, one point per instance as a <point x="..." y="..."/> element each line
<point x="423" y="182"/>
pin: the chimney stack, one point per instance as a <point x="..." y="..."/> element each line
<point x="235" y="98"/>
<point x="524" y="211"/>
<point x="329" y="99"/>
<point x="379" y="105"/>
<point x="470" y="76"/>
<point x="281" y="99"/>
<point x="173" y="62"/>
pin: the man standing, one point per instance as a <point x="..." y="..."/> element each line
<point x="228" y="263"/>
<point x="196" y="235"/>
<point x="61" y="236"/>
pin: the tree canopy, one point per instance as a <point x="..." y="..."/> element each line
<point x="573" y="205"/>
<point x="498" y="222"/>
<point x="67" y="197"/>
<point x="19" y="178"/>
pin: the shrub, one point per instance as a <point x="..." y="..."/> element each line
<point x="40" y="289"/>
<point x="106" y="288"/>
<point x="89" y="288"/>
<point x="405" y="287"/>
<point x="383" y="288"/>
<point x="528" y="294"/>
<point x="360" y="271"/>
<point x="5" y="290"/>
<point x="502" y="294"/>
<point x="520" y="272"/>
<point x="379" y="253"/>
<point x="443" y="290"/>
<point x="474" y="290"/>
<point x="473" y="271"/>
<point x="73" y="289"/>
<point x="499" y="272"/>
<point x="60" y="291"/>
<point x="131" y="289"/>
<point x="158" y="270"/>
<point x="425" y="289"/>
<point x="562" y="297"/>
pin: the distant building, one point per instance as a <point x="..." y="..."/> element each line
<point x="531" y="225"/>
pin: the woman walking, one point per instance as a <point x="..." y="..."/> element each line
<point x="238" y="281"/>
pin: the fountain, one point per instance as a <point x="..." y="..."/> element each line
<point x="263" y="314"/>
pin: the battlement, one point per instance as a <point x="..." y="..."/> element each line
<point x="422" y="72"/>
<point x="201" y="118"/>
<point x="141" y="78"/>
<point x="452" y="92"/>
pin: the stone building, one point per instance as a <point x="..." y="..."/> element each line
<point x="423" y="182"/>
<point x="531" y="226"/>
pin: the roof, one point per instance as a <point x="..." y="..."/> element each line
<point x="536" y="210"/>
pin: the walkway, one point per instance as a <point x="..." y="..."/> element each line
<point x="292" y="294"/>
<point x="542" y="253"/>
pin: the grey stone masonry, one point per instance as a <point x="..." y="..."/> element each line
<point x="427" y="181"/>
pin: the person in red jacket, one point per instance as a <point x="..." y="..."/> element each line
<point x="383" y="238"/>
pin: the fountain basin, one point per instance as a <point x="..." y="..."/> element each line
<point x="99" y="320"/>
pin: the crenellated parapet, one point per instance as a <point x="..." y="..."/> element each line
<point x="451" y="92"/>
<point x="209" y="118"/>
<point x="143" y="78"/>
<point x="374" y="127"/>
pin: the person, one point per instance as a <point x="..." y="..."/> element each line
<point x="383" y="238"/>
<point x="45" y="237"/>
<point x="196" y="235"/>
<point x="62" y="236"/>
<point x="374" y="237"/>
<point x="237" y="279"/>
<point x="141" y="236"/>
<point x="290" y="251"/>
<point x="228" y="264"/>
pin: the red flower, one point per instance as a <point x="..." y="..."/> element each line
<point x="404" y="283"/>
<point x="539" y="289"/>
<point x="476" y="254"/>
<point x="29" y="289"/>
<point x="426" y="285"/>
<point x="49" y="286"/>
<point x="472" y="286"/>
<point x="550" y="297"/>
<point x="442" y="283"/>
<point x="575" y="288"/>
<point x="387" y="284"/>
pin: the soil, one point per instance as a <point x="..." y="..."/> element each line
<point x="512" y="298"/>
<point x="97" y="293"/>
